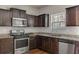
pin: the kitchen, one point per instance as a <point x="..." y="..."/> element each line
<point x="52" y="29"/>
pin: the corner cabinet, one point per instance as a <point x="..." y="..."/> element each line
<point x="38" y="21"/>
<point x="43" y="20"/>
<point x="48" y="44"/>
<point x="72" y="16"/>
<point x="32" y="42"/>
<point x="30" y="20"/>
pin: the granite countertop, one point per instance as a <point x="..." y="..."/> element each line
<point x="3" y="36"/>
<point x="55" y="35"/>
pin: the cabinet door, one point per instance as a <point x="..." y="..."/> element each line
<point x="77" y="16"/>
<point x="39" y="41"/>
<point x="36" y="21"/>
<point x="30" y="20"/>
<point x="50" y="45"/>
<point x="6" y="46"/>
<point x="1" y="14"/>
<point x="71" y="16"/>
<point x="15" y="13"/>
<point x="54" y="46"/>
<point x="22" y="14"/>
<point x="43" y="20"/>
<point x="45" y="44"/>
<point x="32" y="43"/>
<point x="39" y="21"/>
<point x="5" y="19"/>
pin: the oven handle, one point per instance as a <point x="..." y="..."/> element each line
<point x="22" y="39"/>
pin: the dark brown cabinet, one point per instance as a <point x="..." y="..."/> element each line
<point x="48" y="44"/>
<point x="38" y="21"/>
<point x="72" y="16"/>
<point x="18" y="13"/>
<point x="30" y="20"/>
<point x="43" y="20"/>
<point x="6" y="46"/>
<point x="5" y="18"/>
<point x="32" y="43"/>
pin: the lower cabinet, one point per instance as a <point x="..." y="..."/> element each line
<point x="48" y="44"/>
<point x="6" y="46"/>
<point x="54" y="45"/>
<point x="32" y="43"/>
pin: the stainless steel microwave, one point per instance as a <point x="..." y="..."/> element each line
<point x="19" y="22"/>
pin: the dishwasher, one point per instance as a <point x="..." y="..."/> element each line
<point x="66" y="46"/>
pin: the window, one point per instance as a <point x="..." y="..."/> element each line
<point x="58" y="20"/>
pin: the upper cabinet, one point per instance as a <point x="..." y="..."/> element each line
<point x="38" y="21"/>
<point x="20" y="18"/>
<point x="30" y="20"/>
<point x="72" y="16"/>
<point x="5" y="18"/>
<point x="43" y="20"/>
<point x="18" y="13"/>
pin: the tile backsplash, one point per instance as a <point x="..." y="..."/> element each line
<point x="66" y="30"/>
<point x="6" y="30"/>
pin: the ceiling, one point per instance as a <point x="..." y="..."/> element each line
<point x="38" y="6"/>
<point x="42" y="6"/>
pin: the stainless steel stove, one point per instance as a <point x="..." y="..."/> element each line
<point x="21" y="41"/>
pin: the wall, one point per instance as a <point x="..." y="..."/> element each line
<point x="34" y="11"/>
<point x="52" y="9"/>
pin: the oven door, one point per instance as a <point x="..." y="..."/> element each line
<point x="21" y="45"/>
